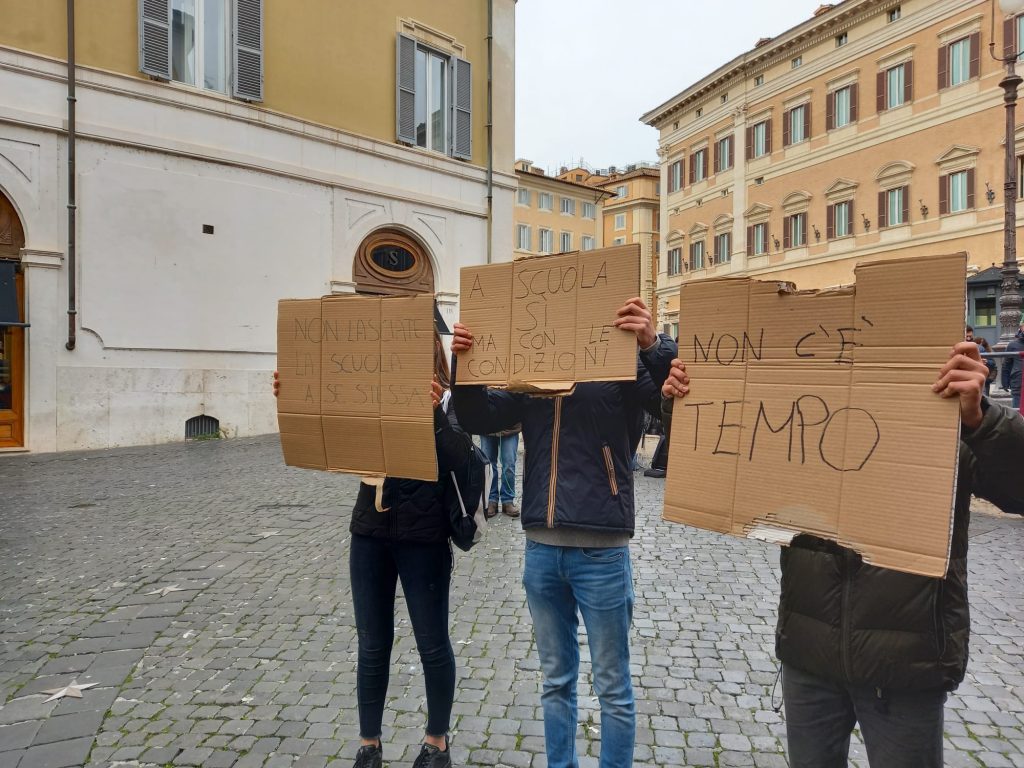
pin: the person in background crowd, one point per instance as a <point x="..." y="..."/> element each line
<point x="578" y="517"/>
<point x="984" y="347"/>
<point x="502" y="446"/>
<point x="1012" y="367"/>
<point x="400" y="532"/>
<point x="861" y="644"/>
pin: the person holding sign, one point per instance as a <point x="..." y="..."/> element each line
<point x="578" y="516"/>
<point x="400" y="532"/>
<point x="882" y="648"/>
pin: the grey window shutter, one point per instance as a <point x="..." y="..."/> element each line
<point x="405" y="89"/>
<point x="247" y="45"/>
<point x="155" y="38"/>
<point x="462" y="109"/>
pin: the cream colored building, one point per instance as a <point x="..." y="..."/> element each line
<point x="230" y="153"/>
<point x="553" y="214"/>
<point x="871" y="131"/>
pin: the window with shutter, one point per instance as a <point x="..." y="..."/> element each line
<point x="434" y="99"/>
<point x="155" y="38"/>
<point x="208" y="44"/>
<point x="248" y="50"/>
<point x="883" y="208"/>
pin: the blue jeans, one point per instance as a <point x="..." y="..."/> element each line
<point x="375" y="567"/>
<point x="505" y="449"/>
<point x="900" y="729"/>
<point x="597" y="583"/>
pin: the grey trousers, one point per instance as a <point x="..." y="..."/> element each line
<point x="900" y="729"/>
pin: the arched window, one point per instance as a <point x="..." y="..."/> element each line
<point x="391" y="262"/>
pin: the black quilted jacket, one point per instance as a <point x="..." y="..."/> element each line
<point x="415" y="510"/>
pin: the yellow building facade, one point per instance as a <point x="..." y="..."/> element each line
<point x="228" y="154"/>
<point x="874" y="130"/>
<point x="553" y="214"/>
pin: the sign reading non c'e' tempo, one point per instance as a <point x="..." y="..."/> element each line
<point x="812" y="411"/>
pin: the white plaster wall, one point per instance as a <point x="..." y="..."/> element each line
<point x="175" y="323"/>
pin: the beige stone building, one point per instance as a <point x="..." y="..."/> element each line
<point x="554" y="214"/>
<point x="873" y="130"/>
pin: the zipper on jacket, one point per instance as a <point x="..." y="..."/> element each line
<point x="552" y="481"/>
<point x="844" y="611"/>
<point x="610" y="467"/>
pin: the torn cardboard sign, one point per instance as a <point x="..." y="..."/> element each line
<point x="547" y="322"/>
<point x="813" y="411"/>
<point x="355" y="376"/>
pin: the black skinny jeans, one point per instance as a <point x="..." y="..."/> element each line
<point x="425" y="571"/>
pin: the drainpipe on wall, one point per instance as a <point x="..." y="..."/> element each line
<point x="72" y="269"/>
<point x="490" y="129"/>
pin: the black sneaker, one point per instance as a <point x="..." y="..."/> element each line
<point x="432" y="757"/>
<point x="369" y="757"/>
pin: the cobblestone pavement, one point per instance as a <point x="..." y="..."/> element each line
<point x="202" y="591"/>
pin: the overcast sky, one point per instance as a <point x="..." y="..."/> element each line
<point x="587" y="69"/>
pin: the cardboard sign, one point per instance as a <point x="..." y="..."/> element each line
<point x="355" y="375"/>
<point x="545" y="323"/>
<point x="813" y="412"/>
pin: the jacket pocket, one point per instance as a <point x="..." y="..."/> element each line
<point x="609" y="466"/>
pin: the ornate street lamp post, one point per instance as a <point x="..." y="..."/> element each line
<point x="1010" y="300"/>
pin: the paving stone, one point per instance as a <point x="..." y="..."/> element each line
<point x="60" y="754"/>
<point x="18" y="736"/>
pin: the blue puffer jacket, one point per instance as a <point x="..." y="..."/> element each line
<point x="579" y="448"/>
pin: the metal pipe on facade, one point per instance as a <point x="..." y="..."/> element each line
<point x="72" y="206"/>
<point x="490" y="130"/>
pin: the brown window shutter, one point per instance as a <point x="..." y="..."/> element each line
<point x="830" y="222"/>
<point x="908" y="81"/>
<point x="787" y="233"/>
<point x="718" y="156"/>
<point x="830" y="111"/>
<point x="750" y="142"/>
<point x="768" y="136"/>
<point x="785" y="128"/>
<point x="849" y="216"/>
<point x="975" y="54"/>
<point x="906" y="205"/>
<point x="883" y="208"/>
<point x="943" y="66"/>
<point x="807" y="120"/>
<point x="880" y="100"/>
<point x="693" y="166"/>
<point x="943" y="195"/>
<point x="750" y="241"/>
<point x="970" y="188"/>
<point x="1009" y="37"/>
<point x="732" y="151"/>
<point x="853" y="103"/>
<point x="682" y="172"/>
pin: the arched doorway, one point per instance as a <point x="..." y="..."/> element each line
<point x="390" y="262"/>
<point x="12" y="337"/>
